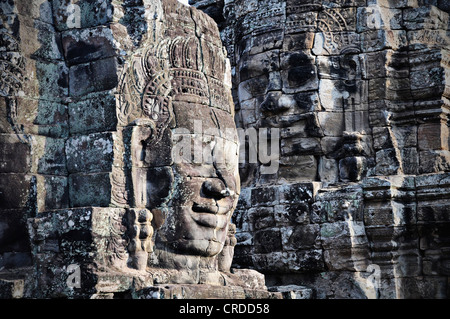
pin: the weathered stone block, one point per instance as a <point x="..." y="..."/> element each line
<point x="410" y="161"/>
<point x="293" y="292"/>
<point x="390" y="214"/>
<point x="90" y="189"/>
<point x="296" y="130"/>
<point x="264" y="196"/>
<point x="298" y="168"/>
<point x="39" y="40"/>
<point x="378" y="17"/>
<point x="51" y="119"/>
<point x="16" y="190"/>
<point x="297" y="22"/>
<point x="347" y="67"/>
<point x="377" y="40"/>
<point x="50" y="83"/>
<point x="434" y="237"/>
<point x="53" y="192"/>
<point x="433" y="186"/>
<point x="300" y="237"/>
<point x="260" y="218"/>
<point x="152" y="187"/>
<point x="259" y="64"/>
<point x="68" y="15"/>
<point x="267" y="241"/>
<point x="292" y="214"/>
<point x="386" y="240"/>
<point x="301" y="146"/>
<point x="297" y="193"/>
<point x="387" y="63"/>
<point x="392" y="4"/>
<point x="332" y="43"/>
<point x="385" y="188"/>
<point x="423" y="39"/>
<point x="332" y="123"/>
<point x="95" y="76"/>
<point x="77" y="237"/>
<point x="14" y="235"/>
<point x="245" y="198"/>
<point x="433" y="136"/>
<point x="48" y="155"/>
<point x="258" y="43"/>
<point x="200" y="122"/>
<point x="290" y="262"/>
<point x="12" y="289"/>
<point x="86" y="45"/>
<point x="330" y="144"/>
<point x="307" y="102"/>
<point x="390" y="89"/>
<point x="36" y="193"/>
<point x="433" y="211"/>
<point x="345" y="258"/>
<point x="352" y="168"/>
<point x="387" y="161"/>
<point x="15" y="154"/>
<point x="382" y="138"/>
<point x="337" y="205"/>
<point x="253" y="87"/>
<point x="300" y="41"/>
<point x="406" y="136"/>
<point x="36" y="117"/>
<point x="90" y="153"/>
<point x="335" y="95"/>
<point x="330" y="15"/>
<point x="328" y="170"/>
<point x="40" y="9"/>
<point x="433" y="161"/>
<point x="425" y="18"/>
<point x="427" y="82"/>
<point x="96" y="113"/>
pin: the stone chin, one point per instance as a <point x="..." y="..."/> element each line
<point x="193" y="233"/>
<point x="197" y="247"/>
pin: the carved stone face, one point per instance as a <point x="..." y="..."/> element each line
<point x="205" y="190"/>
<point x="184" y="144"/>
<point x="299" y="68"/>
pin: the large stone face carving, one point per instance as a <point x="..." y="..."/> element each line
<point x="175" y="102"/>
<point x="358" y="89"/>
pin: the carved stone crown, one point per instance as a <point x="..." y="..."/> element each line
<point x="188" y="82"/>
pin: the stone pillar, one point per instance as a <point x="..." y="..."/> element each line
<point x="33" y="124"/>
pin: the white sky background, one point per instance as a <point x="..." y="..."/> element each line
<point x="184" y="1"/>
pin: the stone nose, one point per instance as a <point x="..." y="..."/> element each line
<point x="215" y="189"/>
<point x="276" y="102"/>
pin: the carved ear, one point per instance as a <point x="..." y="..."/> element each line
<point x="144" y="132"/>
